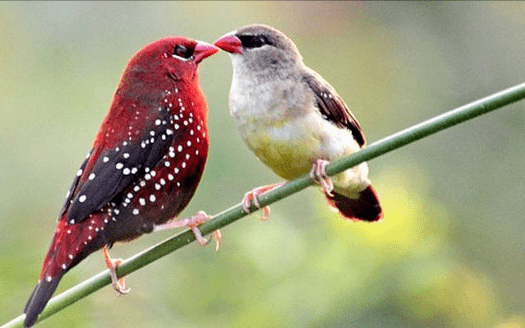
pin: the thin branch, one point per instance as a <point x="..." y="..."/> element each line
<point x="385" y="145"/>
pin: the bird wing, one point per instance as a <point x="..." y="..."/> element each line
<point x="332" y="106"/>
<point x="107" y="172"/>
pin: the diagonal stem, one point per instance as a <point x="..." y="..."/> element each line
<point x="385" y="145"/>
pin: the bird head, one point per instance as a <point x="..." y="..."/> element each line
<point x="260" y="47"/>
<point x="175" y="58"/>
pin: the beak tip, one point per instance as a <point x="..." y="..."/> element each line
<point x="229" y="43"/>
<point x="204" y="50"/>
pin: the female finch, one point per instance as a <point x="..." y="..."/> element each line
<point x="293" y="120"/>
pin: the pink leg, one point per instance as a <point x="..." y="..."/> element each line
<point x="318" y="174"/>
<point x="252" y="198"/>
<point x="119" y="284"/>
<point x="193" y="223"/>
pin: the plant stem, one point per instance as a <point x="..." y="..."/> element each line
<point x="385" y="145"/>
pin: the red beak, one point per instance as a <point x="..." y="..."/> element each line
<point x="229" y="43"/>
<point x="203" y="50"/>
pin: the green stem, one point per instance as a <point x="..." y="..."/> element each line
<point x="385" y="145"/>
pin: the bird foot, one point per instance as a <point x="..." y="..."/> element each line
<point x="193" y="223"/>
<point x="119" y="284"/>
<point x="251" y="198"/>
<point x="318" y="174"/>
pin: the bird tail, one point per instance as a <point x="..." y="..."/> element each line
<point x="365" y="208"/>
<point x="67" y="250"/>
<point x="49" y="277"/>
<point x="39" y="298"/>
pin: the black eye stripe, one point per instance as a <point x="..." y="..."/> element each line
<point x="253" y="41"/>
<point x="182" y="51"/>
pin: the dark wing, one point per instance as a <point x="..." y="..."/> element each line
<point x="333" y="107"/>
<point x="105" y="174"/>
<point x="70" y="192"/>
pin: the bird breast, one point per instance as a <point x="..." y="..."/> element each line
<point x="280" y="123"/>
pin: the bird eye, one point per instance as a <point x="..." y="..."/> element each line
<point x="182" y="52"/>
<point x="253" y="41"/>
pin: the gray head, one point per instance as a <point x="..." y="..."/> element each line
<point x="261" y="47"/>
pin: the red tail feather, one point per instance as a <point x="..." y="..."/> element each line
<point x="39" y="298"/>
<point x="71" y="244"/>
<point x="366" y="207"/>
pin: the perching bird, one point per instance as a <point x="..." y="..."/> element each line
<point x="294" y="121"/>
<point x="143" y="167"/>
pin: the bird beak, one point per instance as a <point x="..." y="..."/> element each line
<point x="229" y="43"/>
<point x="203" y="50"/>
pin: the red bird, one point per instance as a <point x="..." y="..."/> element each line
<point x="144" y="165"/>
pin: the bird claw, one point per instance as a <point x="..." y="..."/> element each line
<point x="198" y="219"/>
<point x="318" y="174"/>
<point x="251" y="198"/>
<point x="217" y="236"/>
<point x="119" y="284"/>
<point x="193" y="223"/>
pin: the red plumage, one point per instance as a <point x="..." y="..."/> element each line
<point x="144" y="165"/>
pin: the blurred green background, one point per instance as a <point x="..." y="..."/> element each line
<point x="450" y="251"/>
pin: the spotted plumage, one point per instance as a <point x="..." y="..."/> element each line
<point x="144" y="165"/>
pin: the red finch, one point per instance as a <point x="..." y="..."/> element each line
<point x="143" y="167"/>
